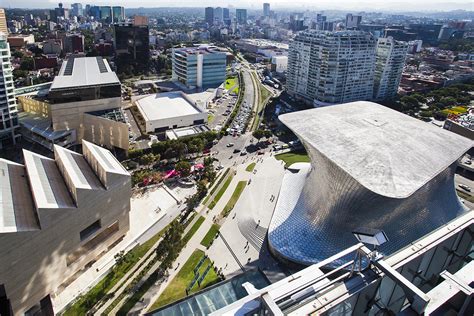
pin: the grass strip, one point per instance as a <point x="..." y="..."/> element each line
<point x="465" y="196"/>
<point x="291" y="157"/>
<point x="234" y="198"/>
<point x="176" y="289"/>
<point x="221" y="192"/>
<point x="210" y="235"/>
<point x="193" y="229"/>
<point x="251" y="167"/>
<point x="216" y="186"/>
<point x="85" y="302"/>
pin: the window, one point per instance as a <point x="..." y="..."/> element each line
<point x="90" y="230"/>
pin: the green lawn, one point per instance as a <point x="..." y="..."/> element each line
<point x="251" y="167"/>
<point x="264" y="93"/>
<point x="292" y="157"/>
<point x="193" y="229"/>
<point x="216" y="186"/>
<point x="455" y="110"/>
<point x="230" y="82"/>
<point x="176" y="289"/>
<point x="88" y="300"/>
<point x="211" y="234"/>
<point x="210" y="118"/>
<point x="234" y="198"/>
<point x="221" y="192"/>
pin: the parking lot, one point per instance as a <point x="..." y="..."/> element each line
<point x="221" y="109"/>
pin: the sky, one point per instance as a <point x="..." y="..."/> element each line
<point x="385" y="5"/>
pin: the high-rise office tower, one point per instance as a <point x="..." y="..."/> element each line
<point x="8" y="108"/>
<point x="118" y="14"/>
<point x="132" y="45"/>
<point x="3" y="22"/>
<point x="390" y="59"/>
<point x="266" y="9"/>
<point x="106" y="13"/>
<point x="199" y="67"/>
<point x="76" y="9"/>
<point x="331" y="67"/>
<point x="241" y="15"/>
<point x="219" y="15"/>
<point x="353" y="21"/>
<point x="209" y="15"/>
<point x="226" y="16"/>
<point x="95" y="12"/>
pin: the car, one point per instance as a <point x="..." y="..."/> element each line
<point x="219" y="167"/>
<point x="260" y="152"/>
<point x="243" y="153"/>
<point x="236" y="151"/>
<point x="230" y="144"/>
<point x="464" y="187"/>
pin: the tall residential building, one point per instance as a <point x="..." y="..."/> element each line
<point x="390" y="59"/>
<point x="199" y="67"/>
<point x="209" y="15"/>
<point x="58" y="215"/>
<point x="8" y="108"/>
<point x="3" y="21"/>
<point x="353" y="21"/>
<point x="241" y="15"/>
<point x="118" y="14"/>
<point x="331" y="67"/>
<point x="76" y="9"/>
<point x="266" y="9"/>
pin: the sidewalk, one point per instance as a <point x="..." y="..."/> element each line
<point x="152" y="295"/>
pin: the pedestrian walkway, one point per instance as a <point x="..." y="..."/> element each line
<point x="152" y="295"/>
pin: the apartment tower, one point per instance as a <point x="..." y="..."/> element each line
<point x="331" y="67"/>
<point x="390" y="59"/>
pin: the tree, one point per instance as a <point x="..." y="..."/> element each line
<point x="258" y="134"/>
<point x="27" y="63"/>
<point x="184" y="168"/>
<point x="149" y="158"/>
<point x="18" y="54"/>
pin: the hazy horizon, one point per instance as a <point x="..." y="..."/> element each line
<point x="377" y="5"/>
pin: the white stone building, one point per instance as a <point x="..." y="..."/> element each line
<point x="390" y="59"/>
<point x="331" y="67"/>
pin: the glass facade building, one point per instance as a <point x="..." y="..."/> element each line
<point x="199" y="67"/>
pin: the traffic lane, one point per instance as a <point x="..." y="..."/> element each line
<point x="458" y="179"/>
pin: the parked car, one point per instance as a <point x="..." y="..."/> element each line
<point x="465" y="187"/>
<point x="230" y="144"/>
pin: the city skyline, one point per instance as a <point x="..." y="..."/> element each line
<point x="399" y="6"/>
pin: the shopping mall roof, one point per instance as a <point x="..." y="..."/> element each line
<point x="84" y="71"/>
<point x="390" y="153"/>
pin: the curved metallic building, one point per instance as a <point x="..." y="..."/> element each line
<point x="370" y="167"/>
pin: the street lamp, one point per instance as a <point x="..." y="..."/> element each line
<point x="371" y="236"/>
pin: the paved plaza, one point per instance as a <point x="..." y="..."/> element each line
<point x="241" y="244"/>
